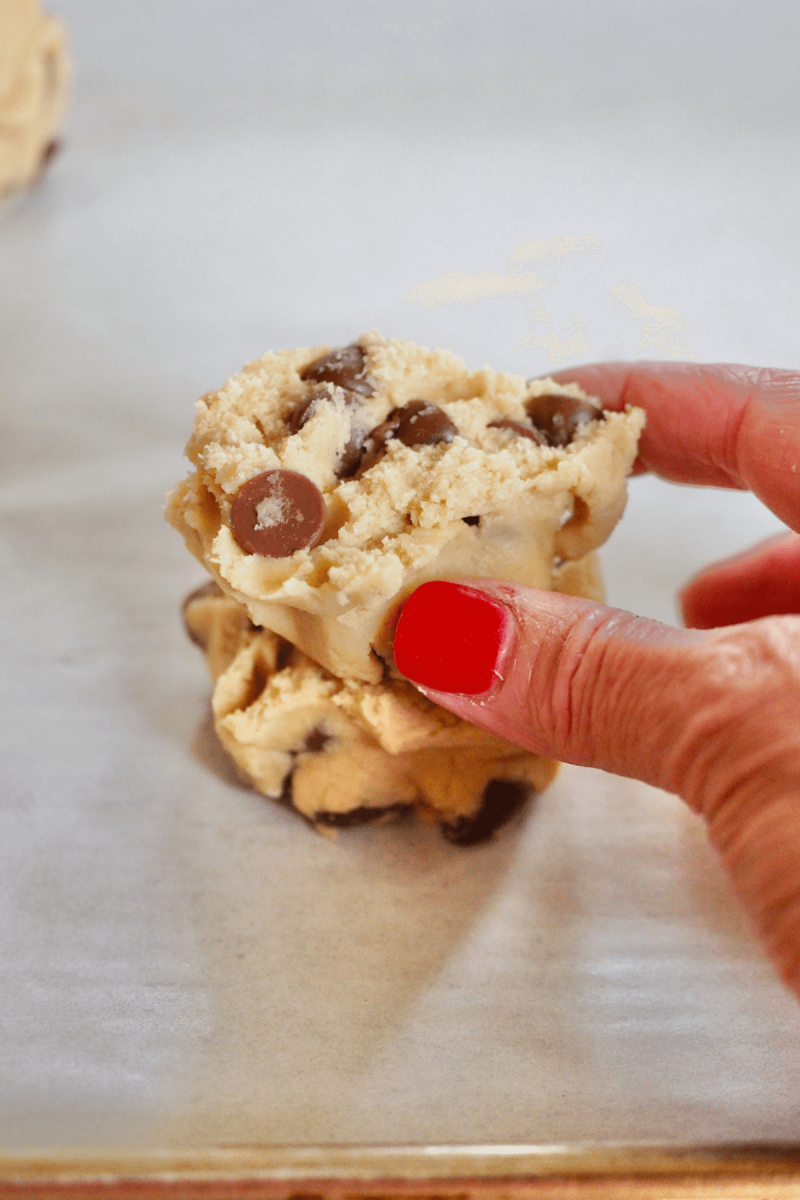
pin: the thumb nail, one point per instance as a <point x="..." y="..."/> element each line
<point x="453" y="638"/>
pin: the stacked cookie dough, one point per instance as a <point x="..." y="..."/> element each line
<point x="327" y="486"/>
<point x="34" y="70"/>
<point x="344" y="752"/>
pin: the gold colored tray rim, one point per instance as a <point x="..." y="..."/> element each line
<point x="407" y="1164"/>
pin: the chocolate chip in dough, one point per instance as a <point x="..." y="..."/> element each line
<point x="359" y="816"/>
<point x="559" y="417"/>
<point x="345" y="367"/>
<point x="350" y="456"/>
<point x="471" y="520"/>
<point x="375" y="446"/>
<point x="418" y="423"/>
<point x="316" y="741"/>
<point x="521" y="429"/>
<point x="304" y="411"/>
<point x="276" y="513"/>
<point x="501" y="799"/>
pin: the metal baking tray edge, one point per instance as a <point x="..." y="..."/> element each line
<point x="452" y="1172"/>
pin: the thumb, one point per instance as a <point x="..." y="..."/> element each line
<point x="687" y="710"/>
<point x="559" y="675"/>
<point x="711" y="715"/>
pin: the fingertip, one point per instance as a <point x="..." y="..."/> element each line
<point x="452" y="638"/>
<point x="607" y="382"/>
<point x="693" y="615"/>
<point x="760" y="581"/>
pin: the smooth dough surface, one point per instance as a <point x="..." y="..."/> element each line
<point x="34" y="72"/>
<point x="531" y="508"/>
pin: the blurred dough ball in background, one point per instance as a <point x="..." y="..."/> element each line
<point x="34" y="72"/>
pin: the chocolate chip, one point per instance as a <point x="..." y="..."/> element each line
<point x="358" y="816"/>
<point x="521" y="429"/>
<point x="276" y="513"/>
<point x="350" y="456"/>
<point x="315" y="743"/>
<point x="559" y="417"/>
<point x="375" y="446"/>
<point x="317" y="740"/>
<point x="346" y="367"/>
<point x="305" y="410"/>
<point x="471" y="520"/>
<point x="501" y="799"/>
<point x="418" y="423"/>
<point x="363" y="815"/>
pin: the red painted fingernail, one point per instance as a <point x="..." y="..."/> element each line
<point x="451" y="638"/>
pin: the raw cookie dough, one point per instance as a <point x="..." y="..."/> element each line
<point x="34" y="69"/>
<point x="344" y="752"/>
<point x="424" y="470"/>
<point x="327" y="486"/>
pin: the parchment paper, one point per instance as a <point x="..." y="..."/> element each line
<point x="184" y="962"/>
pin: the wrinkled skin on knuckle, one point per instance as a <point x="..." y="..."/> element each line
<point x="752" y="799"/>
<point x="549" y="701"/>
<point x="595" y="689"/>
<point x="701" y="716"/>
<point x="742" y="735"/>
<point x="767" y="447"/>
<point x="588" y="690"/>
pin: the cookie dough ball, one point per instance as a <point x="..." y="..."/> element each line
<point x="343" y="752"/>
<point x="34" y="70"/>
<point x="329" y="484"/>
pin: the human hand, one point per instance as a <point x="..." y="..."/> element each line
<point x="711" y="712"/>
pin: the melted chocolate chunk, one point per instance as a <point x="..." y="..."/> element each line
<point x="559" y="417"/>
<point x="501" y="799"/>
<point x="345" y="367"/>
<point x="284" y="653"/>
<point x="316" y="741"/>
<point x="418" y="423"/>
<point x="471" y="520"/>
<point x="276" y="513"/>
<point x="358" y="816"/>
<point x="521" y="429"/>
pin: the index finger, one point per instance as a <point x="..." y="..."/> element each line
<point x="720" y="425"/>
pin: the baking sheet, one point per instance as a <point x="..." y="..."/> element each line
<point x="185" y="964"/>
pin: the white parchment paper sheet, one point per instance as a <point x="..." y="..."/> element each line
<point x="183" y="961"/>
